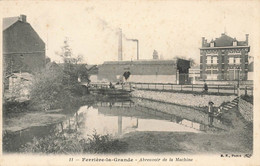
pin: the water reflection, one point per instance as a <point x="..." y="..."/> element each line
<point x="119" y="118"/>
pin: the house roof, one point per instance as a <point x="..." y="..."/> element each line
<point x="89" y="67"/>
<point x="26" y="76"/>
<point x="9" y="21"/>
<point x="140" y="62"/>
<point x="225" y="41"/>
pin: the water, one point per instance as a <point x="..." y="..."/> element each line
<point x="115" y="119"/>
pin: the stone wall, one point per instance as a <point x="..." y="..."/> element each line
<point x="183" y="98"/>
<point x="183" y="112"/>
<point x="246" y="109"/>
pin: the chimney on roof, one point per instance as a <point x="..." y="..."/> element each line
<point x="247" y="38"/>
<point x="22" y="18"/>
<point x="203" y="41"/>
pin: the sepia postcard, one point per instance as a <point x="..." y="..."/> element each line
<point x="136" y="82"/>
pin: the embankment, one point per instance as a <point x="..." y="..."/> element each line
<point x="182" y="98"/>
<point x="246" y="109"/>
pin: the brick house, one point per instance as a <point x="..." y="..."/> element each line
<point x="23" y="49"/>
<point x="224" y="58"/>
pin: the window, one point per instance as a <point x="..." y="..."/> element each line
<point x="215" y="60"/>
<point x="212" y="74"/>
<point x="212" y="44"/>
<point x="231" y="60"/>
<point x="234" y="43"/>
<point x="208" y="59"/>
<point x="234" y="74"/>
<point x="212" y="60"/>
<point x="237" y="60"/>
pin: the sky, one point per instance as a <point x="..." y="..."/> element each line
<point x="173" y="28"/>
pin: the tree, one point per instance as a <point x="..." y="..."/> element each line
<point x="79" y="58"/>
<point x="47" y="60"/>
<point x="126" y="75"/>
<point x="192" y="62"/>
<point x="155" y="54"/>
<point x="73" y="70"/>
<point x="47" y="89"/>
<point x="56" y="87"/>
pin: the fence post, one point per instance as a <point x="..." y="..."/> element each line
<point x="163" y="86"/>
<point x="218" y="88"/>
<point x="245" y="90"/>
<point x="234" y="89"/>
<point x="171" y="86"/>
<point x="181" y="87"/>
<point x="148" y="86"/>
<point x="192" y="87"/>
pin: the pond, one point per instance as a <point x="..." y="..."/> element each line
<point x="117" y="119"/>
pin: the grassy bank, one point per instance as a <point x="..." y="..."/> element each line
<point x="71" y="142"/>
<point x="188" y="143"/>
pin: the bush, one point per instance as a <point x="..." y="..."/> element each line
<point x="47" y="89"/>
<point x="56" y="143"/>
<point x="71" y="142"/>
<point x="55" y="88"/>
<point x="104" y="144"/>
<point x="248" y="98"/>
<point x="14" y="107"/>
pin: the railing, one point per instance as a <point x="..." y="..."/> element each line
<point x="212" y="88"/>
<point x="125" y="86"/>
<point x="219" y="89"/>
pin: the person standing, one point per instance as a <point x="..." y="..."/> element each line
<point x="205" y="87"/>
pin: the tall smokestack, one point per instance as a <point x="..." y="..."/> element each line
<point x="247" y="38"/>
<point x="120" y="56"/>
